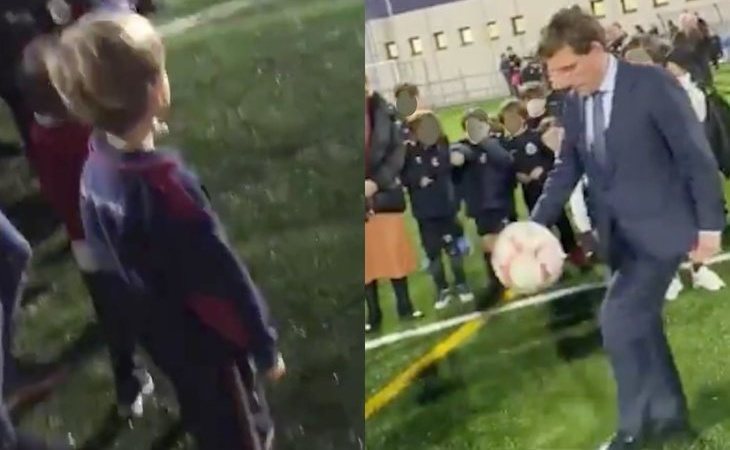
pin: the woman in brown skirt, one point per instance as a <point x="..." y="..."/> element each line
<point x="389" y="253"/>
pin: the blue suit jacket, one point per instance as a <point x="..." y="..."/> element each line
<point x="660" y="185"/>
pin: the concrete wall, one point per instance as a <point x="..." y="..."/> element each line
<point x="464" y="73"/>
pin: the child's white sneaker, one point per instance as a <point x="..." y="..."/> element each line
<point x="706" y="278"/>
<point x="675" y="287"/>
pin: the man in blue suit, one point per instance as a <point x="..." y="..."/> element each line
<point x="655" y="197"/>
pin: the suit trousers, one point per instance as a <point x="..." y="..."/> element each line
<point x="648" y="384"/>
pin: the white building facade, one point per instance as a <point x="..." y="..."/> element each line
<point x="451" y="48"/>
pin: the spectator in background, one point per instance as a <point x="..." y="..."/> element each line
<point x="672" y="28"/>
<point x="639" y="29"/>
<point x="505" y="68"/>
<point x="532" y="72"/>
<point x="616" y="37"/>
<point x="654" y="30"/>
<point x="697" y="46"/>
<point x="515" y="67"/>
<point x="713" y="42"/>
<point x="389" y="253"/>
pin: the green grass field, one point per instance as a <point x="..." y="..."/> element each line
<point x="273" y="142"/>
<point x="521" y="383"/>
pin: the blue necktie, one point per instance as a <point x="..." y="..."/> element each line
<point x="598" y="147"/>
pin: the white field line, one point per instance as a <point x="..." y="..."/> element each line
<point x="539" y="299"/>
<point x="219" y="11"/>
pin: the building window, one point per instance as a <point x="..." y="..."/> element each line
<point x="493" y="30"/>
<point x="598" y="7"/>
<point x="391" y="49"/>
<point x="518" y="25"/>
<point x="658" y="3"/>
<point x="629" y="6"/>
<point x="441" y="41"/>
<point x="416" y="46"/>
<point x="467" y="37"/>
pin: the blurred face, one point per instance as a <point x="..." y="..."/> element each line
<point x="428" y="130"/>
<point x="513" y="122"/>
<point x="406" y="104"/>
<point x="476" y="130"/>
<point x="584" y="73"/>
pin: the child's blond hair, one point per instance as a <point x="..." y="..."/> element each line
<point x="105" y="66"/>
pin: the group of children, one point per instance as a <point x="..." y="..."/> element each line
<point x="518" y="147"/>
<point x="151" y="251"/>
<point x="480" y="171"/>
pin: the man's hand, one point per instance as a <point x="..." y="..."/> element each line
<point x="709" y="244"/>
<point x="425" y="181"/>
<point x="278" y="371"/>
<point x="370" y="188"/>
<point x="536" y="173"/>
<point x="457" y="159"/>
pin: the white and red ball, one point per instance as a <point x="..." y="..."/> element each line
<point x="527" y="257"/>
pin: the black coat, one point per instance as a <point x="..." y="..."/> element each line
<point x="385" y="158"/>
<point x="488" y="179"/>
<point x="438" y="199"/>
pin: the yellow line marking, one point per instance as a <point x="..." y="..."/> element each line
<point x="387" y="394"/>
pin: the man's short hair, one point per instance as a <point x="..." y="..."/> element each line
<point x="571" y="27"/>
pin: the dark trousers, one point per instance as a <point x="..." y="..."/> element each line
<point x="649" y="388"/>
<point x="15" y="254"/>
<point x="222" y="403"/>
<point x="111" y="299"/>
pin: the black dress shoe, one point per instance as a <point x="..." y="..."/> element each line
<point x="623" y="441"/>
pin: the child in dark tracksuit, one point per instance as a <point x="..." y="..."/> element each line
<point x="488" y="183"/>
<point x="147" y="219"/>
<point x="427" y="176"/>
<point x="533" y="161"/>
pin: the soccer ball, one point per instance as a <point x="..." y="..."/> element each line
<point x="527" y="257"/>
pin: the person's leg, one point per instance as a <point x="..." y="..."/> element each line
<point x="403" y="299"/>
<point x="15" y="254"/>
<point x="112" y="302"/>
<point x="375" y="314"/>
<point x="489" y="224"/>
<point x="432" y="241"/>
<point x="633" y="335"/>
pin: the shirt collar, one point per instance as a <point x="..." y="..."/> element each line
<point x="608" y="85"/>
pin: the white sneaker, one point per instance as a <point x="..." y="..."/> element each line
<point x="443" y="300"/>
<point x="675" y="287"/>
<point x="148" y="384"/>
<point x="705" y="278"/>
<point x="136" y="409"/>
<point x="465" y="294"/>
